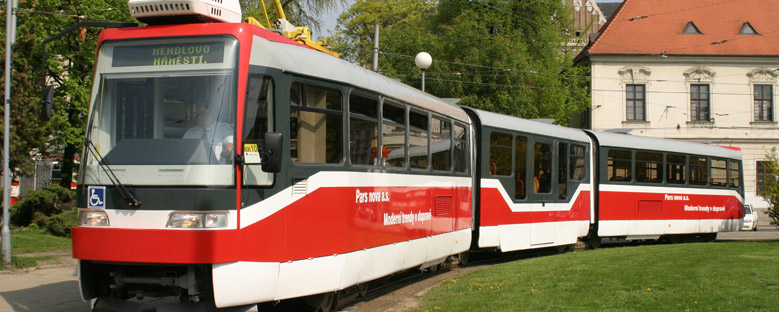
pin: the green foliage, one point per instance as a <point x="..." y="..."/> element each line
<point x="729" y="276"/>
<point x="70" y="62"/>
<point x="41" y="202"/>
<point x="770" y="190"/>
<point x="37" y="206"/>
<point x="507" y="57"/>
<point x="60" y="224"/>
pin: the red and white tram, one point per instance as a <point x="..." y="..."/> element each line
<point x="361" y="176"/>
<point x="648" y="188"/>
<point x="534" y="183"/>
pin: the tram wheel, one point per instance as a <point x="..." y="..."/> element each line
<point x="674" y="239"/>
<point x="322" y="302"/>
<point x="463" y="258"/>
<point x="362" y="289"/>
<point x="564" y="248"/>
<point x="593" y="241"/>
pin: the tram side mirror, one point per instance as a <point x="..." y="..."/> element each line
<point x="47" y="98"/>
<point x="272" y="152"/>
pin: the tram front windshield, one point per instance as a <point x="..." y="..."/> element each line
<point x="163" y="113"/>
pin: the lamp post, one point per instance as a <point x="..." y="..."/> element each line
<point x="423" y="60"/>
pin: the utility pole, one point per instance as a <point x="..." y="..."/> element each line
<point x="10" y="37"/>
<point x="376" y="47"/>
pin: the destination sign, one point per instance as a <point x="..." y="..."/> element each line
<point x="169" y="54"/>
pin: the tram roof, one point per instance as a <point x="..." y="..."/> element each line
<point x="304" y="61"/>
<point x="528" y="126"/>
<point x="663" y="145"/>
<point x="292" y="57"/>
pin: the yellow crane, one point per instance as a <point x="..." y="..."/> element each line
<point x="300" y="34"/>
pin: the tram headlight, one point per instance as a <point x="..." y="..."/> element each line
<point x="190" y="220"/>
<point x="92" y="217"/>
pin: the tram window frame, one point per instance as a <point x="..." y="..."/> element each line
<point x="331" y="115"/>
<point x="360" y="117"/>
<point x="391" y="111"/>
<point x="563" y="169"/>
<point x="574" y="162"/>
<point x="506" y="148"/>
<point x="731" y="170"/>
<point x="680" y="168"/>
<point x="626" y="164"/>
<point x="644" y="164"/>
<point x="543" y="161"/>
<point x="442" y="133"/>
<point x="416" y="117"/>
<point x="521" y="167"/>
<point x="460" y="158"/>
<point x="723" y="168"/>
<point x="695" y="165"/>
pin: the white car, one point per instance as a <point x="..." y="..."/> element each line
<point x="750" y="222"/>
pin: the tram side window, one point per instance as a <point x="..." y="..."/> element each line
<point x="521" y="151"/>
<point x="542" y="168"/>
<point x="675" y="169"/>
<point x="315" y="125"/>
<point x="418" y="140"/>
<point x="698" y="170"/>
<point x="619" y="165"/>
<point x="734" y="173"/>
<point x="258" y="109"/>
<point x="363" y="128"/>
<point x="563" y="150"/>
<point x="461" y="155"/>
<point x="648" y="167"/>
<point x="577" y="162"/>
<point x="718" y="172"/>
<point x="441" y="143"/>
<point x="500" y="154"/>
<point x="394" y="135"/>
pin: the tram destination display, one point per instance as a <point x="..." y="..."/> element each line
<point x="194" y="53"/>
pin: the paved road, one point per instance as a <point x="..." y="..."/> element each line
<point x="56" y="289"/>
<point x="48" y="289"/>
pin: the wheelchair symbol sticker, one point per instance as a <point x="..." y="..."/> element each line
<point x="96" y="197"/>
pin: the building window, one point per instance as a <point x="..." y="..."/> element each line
<point x="762" y="102"/>
<point x="700" y="102"/>
<point x="635" y="102"/>
<point x="762" y="175"/>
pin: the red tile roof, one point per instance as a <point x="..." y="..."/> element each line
<point x="642" y="27"/>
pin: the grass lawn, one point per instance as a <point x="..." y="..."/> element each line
<point x="33" y="240"/>
<point x="721" y="276"/>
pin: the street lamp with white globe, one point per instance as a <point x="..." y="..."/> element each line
<point x="423" y="60"/>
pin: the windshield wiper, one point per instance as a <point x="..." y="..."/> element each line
<point x="131" y="200"/>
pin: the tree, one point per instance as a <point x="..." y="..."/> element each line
<point x="70" y="65"/>
<point x="354" y="37"/>
<point x="508" y="57"/>
<point x="770" y="190"/>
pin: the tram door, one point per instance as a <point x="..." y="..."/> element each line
<point x="543" y="208"/>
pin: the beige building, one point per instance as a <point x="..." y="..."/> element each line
<point x="703" y="70"/>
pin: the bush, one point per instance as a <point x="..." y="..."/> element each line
<point x="60" y="224"/>
<point x="24" y="211"/>
<point x="36" y="206"/>
<point x="64" y="194"/>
